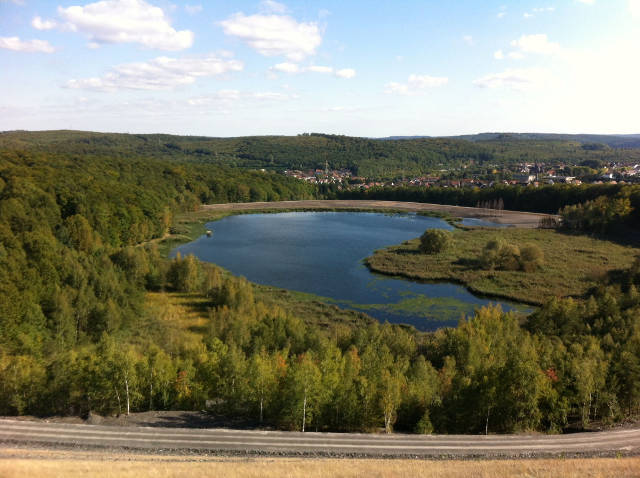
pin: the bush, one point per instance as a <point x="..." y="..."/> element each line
<point x="531" y="258"/>
<point x="435" y="241"/>
<point x="500" y="255"/>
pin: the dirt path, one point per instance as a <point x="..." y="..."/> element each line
<point x="515" y="218"/>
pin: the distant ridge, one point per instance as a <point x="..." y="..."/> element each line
<point x="611" y="140"/>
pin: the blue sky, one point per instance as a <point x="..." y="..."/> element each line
<point x="345" y="67"/>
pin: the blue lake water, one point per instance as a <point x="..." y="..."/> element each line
<point x="321" y="253"/>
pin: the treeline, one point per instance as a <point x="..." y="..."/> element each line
<point x="373" y="158"/>
<point x="547" y="199"/>
<point x="573" y="362"/>
<point x="63" y="220"/>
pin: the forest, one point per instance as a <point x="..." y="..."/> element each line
<point x="80" y="330"/>
<point x="367" y="157"/>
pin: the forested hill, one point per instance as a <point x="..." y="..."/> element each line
<point x="364" y="157"/>
<point x="612" y="140"/>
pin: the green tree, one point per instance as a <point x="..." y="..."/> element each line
<point x="435" y="241"/>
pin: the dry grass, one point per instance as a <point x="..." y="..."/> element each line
<point x="45" y="463"/>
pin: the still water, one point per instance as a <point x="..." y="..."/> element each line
<point x="321" y="253"/>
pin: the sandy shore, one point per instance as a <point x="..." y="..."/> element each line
<point x="516" y="218"/>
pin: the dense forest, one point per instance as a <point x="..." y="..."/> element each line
<point x="367" y="157"/>
<point x="78" y="332"/>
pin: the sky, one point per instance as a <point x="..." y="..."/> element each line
<point x="374" y="68"/>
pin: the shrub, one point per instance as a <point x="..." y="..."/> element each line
<point x="435" y="241"/>
<point x="531" y="258"/>
<point x="500" y="255"/>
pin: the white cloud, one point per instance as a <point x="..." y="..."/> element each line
<point x="273" y="7"/>
<point x="634" y="8"/>
<point x="543" y="9"/>
<point x="320" y="69"/>
<point x="29" y="46"/>
<point x="294" y="68"/>
<point x="515" y="79"/>
<point x="286" y="67"/>
<point x="587" y="2"/>
<point x="537" y="44"/>
<point x="416" y="84"/>
<point x="468" y="39"/>
<point x="501" y="14"/>
<point x="275" y="35"/>
<point x="40" y="24"/>
<point x="527" y="15"/>
<point x="158" y="74"/>
<point x="123" y="21"/>
<point x="498" y="55"/>
<point x="346" y="73"/>
<point x="193" y="9"/>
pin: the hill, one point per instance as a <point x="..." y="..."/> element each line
<point x="373" y="158"/>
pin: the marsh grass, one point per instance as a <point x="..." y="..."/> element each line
<point x="573" y="264"/>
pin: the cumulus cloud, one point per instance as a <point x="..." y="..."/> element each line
<point x="29" y="46"/>
<point x="158" y="74"/>
<point x="275" y="35"/>
<point x="416" y="84"/>
<point x="515" y="79"/>
<point x="40" y="24"/>
<point x="121" y="21"/>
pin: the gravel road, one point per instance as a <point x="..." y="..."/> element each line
<point x="607" y="443"/>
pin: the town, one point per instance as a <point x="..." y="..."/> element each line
<point x="523" y="174"/>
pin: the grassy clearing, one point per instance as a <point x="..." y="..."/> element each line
<point x="573" y="264"/>
<point x="50" y="464"/>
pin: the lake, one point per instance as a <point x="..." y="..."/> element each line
<point x="321" y="253"/>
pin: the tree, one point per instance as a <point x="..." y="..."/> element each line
<point x="435" y="241"/>
<point x="303" y="388"/>
<point x="263" y="379"/>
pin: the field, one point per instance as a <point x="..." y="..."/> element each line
<point x="573" y="264"/>
<point x="16" y="462"/>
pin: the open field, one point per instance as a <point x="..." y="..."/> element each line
<point x="572" y="263"/>
<point x="516" y="218"/>
<point x="41" y="462"/>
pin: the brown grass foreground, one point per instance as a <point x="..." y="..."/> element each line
<point x="46" y="463"/>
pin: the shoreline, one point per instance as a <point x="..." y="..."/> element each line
<point x="514" y="218"/>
